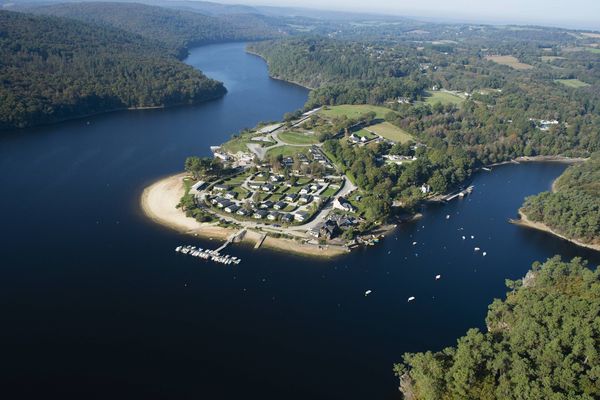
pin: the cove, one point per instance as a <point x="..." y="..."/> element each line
<point x="96" y="303"/>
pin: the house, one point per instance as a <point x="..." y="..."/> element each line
<point x="230" y="195"/>
<point x="280" y="205"/>
<point x="425" y="188"/>
<point x="314" y="187"/>
<point x="260" y="214"/>
<point x="268" y="187"/>
<point x="354" y="139"/>
<point x="328" y="230"/>
<point x="343" y="204"/>
<point x="273" y="215"/>
<point x="291" y="197"/>
<point x="221" y="188"/>
<point x="222" y="202"/>
<point x="305" y="190"/>
<point x="288" y="161"/>
<point x="243" y="212"/>
<point x="275" y="178"/>
<point x="266" y="204"/>
<point x="288" y="218"/>
<point x="301" y="216"/>
<point x="232" y="208"/>
<point x="255" y="185"/>
<point x="305" y="198"/>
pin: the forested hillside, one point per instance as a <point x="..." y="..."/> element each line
<point x="176" y="29"/>
<point x="573" y="209"/>
<point x="53" y="69"/>
<point x="541" y="343"/>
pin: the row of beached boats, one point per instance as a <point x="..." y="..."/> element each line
<point x="206" y="254"/>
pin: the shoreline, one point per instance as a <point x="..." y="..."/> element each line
<point x="275" y="77"/>
<point x="540" y="226"/>
<point x="558" y="159"/>
<point x="159" y="200"/>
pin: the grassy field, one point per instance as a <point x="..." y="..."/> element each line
<point x="239" y="143"/>
<point x="365" y="133"/>
<point x="298" y="138"/>
<point x="443" y="97"/>
<point x="391" y="132"/>
<point x="593" y="50"/>
<point x="286" y="151"/>
<point x="511" y="61"/>
<point x="551" y="58"/>
<point x="354" y="111"/>
<point x="572" y="83"/>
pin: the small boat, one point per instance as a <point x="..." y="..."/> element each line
<point x="414" y="243"/>
<point x="477" y="249"/>
<point x="463" y="238"/>
<point x="448" y="216"/>
<point x="484" y="253"/>
<point x="472" y="237"/>
<point x="411" y="298"/>
<point x="178" y="249"/>
<point x="438" y="277"/>
<point x="368" y="292"/>
<point x="486" y="169"/>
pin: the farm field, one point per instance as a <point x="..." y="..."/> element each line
<point x="510" y="61"/>
<point x="354" y="111"/>
<point x="298" y="138"/>
<point x="391" y="132"/>
<point x="442" y="97"/>
<point x="572" y="83"/>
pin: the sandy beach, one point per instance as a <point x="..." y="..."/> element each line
<point x="159" y="202"/>
<point x="526" y="222"/>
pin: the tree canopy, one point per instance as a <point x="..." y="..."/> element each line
<point x="541" y="343"/>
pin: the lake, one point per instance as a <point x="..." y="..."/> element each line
<point x="95" y="303"/>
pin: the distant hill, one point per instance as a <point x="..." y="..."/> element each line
<point x="53" y="69"/>
<point x="177" y="29"/>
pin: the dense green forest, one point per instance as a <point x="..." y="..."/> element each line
<point x="176" y="29"/>
<point x="573" y="208"/>
<point x="54" y="68"/>
<point x="541" y="343"/>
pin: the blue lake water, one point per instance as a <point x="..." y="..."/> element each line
<point x="96" y="304"/>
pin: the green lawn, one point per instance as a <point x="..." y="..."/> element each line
<point x="298" y="138"/>
<point x="572" y="83"/>
<point x="365" y="133"/>
<point x="354" y="110"/>
<point x="442" y="97"/>
<point x="286" y="151"/>
<point x="237" y="144"/>
<point x="330" y="191"/>
<point x="391" y="132"/>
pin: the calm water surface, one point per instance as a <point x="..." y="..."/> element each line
<point x="95" y="303"/>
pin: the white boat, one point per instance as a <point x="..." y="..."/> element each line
<point x="414" y="243"/>
<point x="438" y="277"/>
<point x="178" y="249"/>
<point x="448" y="216"/>
<point x="484" y="253"/>
<point x="472" y="237"/>
<point x="477" y="249"/>
<point x="411" y="298"/>
<point x="368" y="292"/>
<point x="463" y="238"/>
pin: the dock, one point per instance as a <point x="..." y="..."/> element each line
<point x="260" y="241"/>
<point x="214" y="255"/>
<point x="461" y="194"/>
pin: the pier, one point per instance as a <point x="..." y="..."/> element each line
<point x="462" y="193"/>
<point x="260" y="241"/>
<point x="214" y="255"/>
